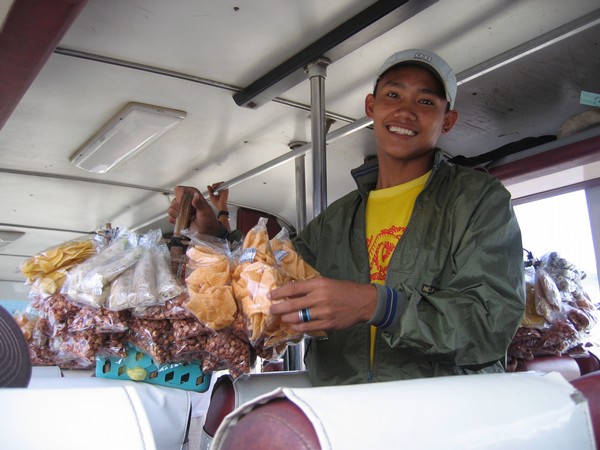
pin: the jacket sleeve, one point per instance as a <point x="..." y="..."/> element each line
<point x="469" y="316"/>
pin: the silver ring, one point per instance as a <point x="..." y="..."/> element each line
<point x="304" y="315"/>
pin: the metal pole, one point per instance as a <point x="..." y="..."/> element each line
<point x="317" y="72"/>
<point x="300" y="172"/>
<point x="294" y="356"/>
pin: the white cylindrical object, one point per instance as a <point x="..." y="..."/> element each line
<point x="486" y="412"/>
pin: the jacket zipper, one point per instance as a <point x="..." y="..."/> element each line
<point x="371" y="371"/>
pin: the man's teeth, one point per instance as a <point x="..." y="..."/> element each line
<point x="403" y="131"/>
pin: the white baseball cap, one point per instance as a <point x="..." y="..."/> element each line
<point x="431" y="61"/>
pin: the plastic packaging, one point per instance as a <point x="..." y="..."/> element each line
<point x="86" y="282"/>
<point x="166" y="282"/>
<point x="559" y="315"/>
<point x="208" y="281"/>
<point x="62" y="256"/>
<point x="172" y="309"/>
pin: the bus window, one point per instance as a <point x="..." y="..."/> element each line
<point x="562" y="223"/>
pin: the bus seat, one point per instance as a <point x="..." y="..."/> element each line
<point x="94" y="418"/>
<point x="273" y="366"/>
<point x="166" y="410"/>
<point x="565" y="365"/>
<point x="228" y="395"/>
<point x="587" y="363"/>
<point x="278" y="424"/>
<point x="589" y="386"/>
<point x="524" y="405"/>
<point x="222" y="402"/>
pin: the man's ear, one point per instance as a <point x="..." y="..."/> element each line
<point x="450" y="119"/>
<point x="369" y="102"/>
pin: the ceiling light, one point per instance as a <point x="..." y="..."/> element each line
<point x="129" y="131"/>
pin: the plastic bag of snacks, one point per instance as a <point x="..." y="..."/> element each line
<point x="262" y="266"/>
<point x="289" y="260"/>
<point x="256" y="273"/>
<point x="47" y="270"/>
<point x="172" y="309"/>
<point x="559" y="314"/>
<point x="88" y="283"/>
<point x="208" y="279"/>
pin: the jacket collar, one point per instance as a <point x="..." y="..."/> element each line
<point x="365" y="176"/>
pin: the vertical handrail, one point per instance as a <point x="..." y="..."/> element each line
<point x="300" y="179"/>
<point x="317" y="72"/>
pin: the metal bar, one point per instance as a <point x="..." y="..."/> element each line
<point x="145" y="68"/>
<point x="184" y="76"/>
<point x="31" y="227"/>
<point x="361" y="29"/>
<point x="317" y="72"/>
<point x="302" y="106"/>
<point x="294" y="357"/>
<point x="300" y="178"/>
<point x="84" y="180"/>
<point x="532" y="46"/>
<point x="302" y="150"/>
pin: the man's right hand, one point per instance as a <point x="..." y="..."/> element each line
<point x="203" y="218"/>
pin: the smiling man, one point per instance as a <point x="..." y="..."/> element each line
<point x="422" y="265"/>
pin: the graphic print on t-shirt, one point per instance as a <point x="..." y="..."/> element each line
<point x="381" y="247"/>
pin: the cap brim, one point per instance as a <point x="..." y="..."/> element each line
<point x="431" y="70"/>
<point x="15" y="362"/>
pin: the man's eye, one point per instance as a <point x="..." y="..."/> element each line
<point x="426" y="101"/>
<point x="392" y="95"/>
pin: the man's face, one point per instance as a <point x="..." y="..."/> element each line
<point x="409" y="114"/>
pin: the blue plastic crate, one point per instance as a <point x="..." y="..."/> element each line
<point x="138" y="366"/>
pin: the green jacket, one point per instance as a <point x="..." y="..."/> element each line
<point x="454" y="294"/>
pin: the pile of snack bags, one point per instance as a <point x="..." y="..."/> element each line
<point x="559" y="314"/>
<point x="90" y="298"/>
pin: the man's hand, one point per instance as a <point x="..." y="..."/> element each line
<point x="219" y="199"/>
<point x="203" y="218"/>
<point x="332" y="304"/>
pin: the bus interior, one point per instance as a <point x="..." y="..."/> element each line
<point x="268" y="98"/>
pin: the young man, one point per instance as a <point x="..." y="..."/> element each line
<point x="422" y="265"/>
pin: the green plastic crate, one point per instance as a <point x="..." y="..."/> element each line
<point x="138" y="366"/>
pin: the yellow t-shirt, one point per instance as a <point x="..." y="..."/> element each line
<point x="387" y="216"/>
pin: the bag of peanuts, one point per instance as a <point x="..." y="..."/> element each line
<point x="173" y="309"/>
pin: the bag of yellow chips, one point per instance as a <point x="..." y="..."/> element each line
<point x="46" y="271"/>
<point x="255" y="275"/>
<point x="290" y="261"/>
<point x="208" y="279"/>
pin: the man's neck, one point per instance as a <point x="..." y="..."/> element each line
<point x="396" y="172"/>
